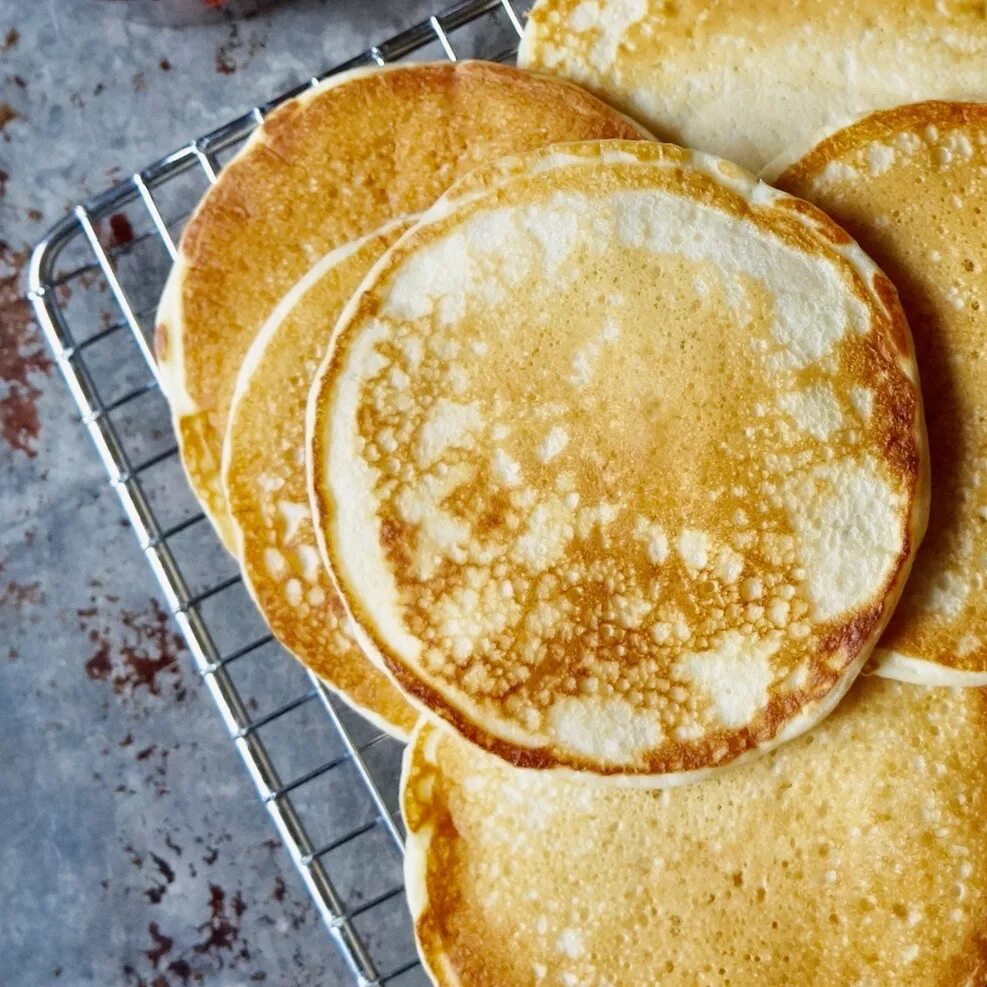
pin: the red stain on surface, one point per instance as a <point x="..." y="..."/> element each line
<point x="16" y="595"/>
<point x="140" y="653"/>
<point x="226" y="53"/>
<point x="99" y="665"/>
<point x="161" y="944"/>
<point x="7" y="115"/>
<point x="123" y="232"/>
<point x="221" y="932"/>
<point x="22" y="357"/>
<point x="156" y="892"/>
<point x="225" y="63"/>
<point x="181" y="969"/>
<point x="19" y="421"/>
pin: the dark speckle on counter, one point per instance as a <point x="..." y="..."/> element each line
<point x="135" y="850"/>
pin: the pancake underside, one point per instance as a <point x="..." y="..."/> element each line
<point x="746" y="80"/>
<point x="908" y="184"/>
<point x="855" y="854"/>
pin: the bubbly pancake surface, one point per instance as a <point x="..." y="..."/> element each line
<point x="854" y="855"/>
<point x="618" y="460"/>
<point x="744" y="80"/>
<point x="266" y="492"/>
<point x="325" y="168"/>
<point x="910" y="184"/>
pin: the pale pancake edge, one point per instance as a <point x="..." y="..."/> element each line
<point x="266" y="490"/>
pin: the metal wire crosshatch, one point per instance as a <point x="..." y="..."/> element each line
<point x="94" y="282"/>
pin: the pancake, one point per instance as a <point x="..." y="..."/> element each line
<point x="323" y="169"/>
<point x="909" y="184"/>
<point x="855" y="855"/>
<point x="745" y="80"/>
<point x="265" y="489"/>
<point x="588" y="467"/>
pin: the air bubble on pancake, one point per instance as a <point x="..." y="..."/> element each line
<point x="652" y="536"/>
<point x="737" y="299"/>
<point x="728" y="565"/>
<point x="548" y="533"/>
<point x="441" y="534"/>
<point x="631" y="610"/>
<point x="816" y="410"/>
<point x="608" y="728"/>
<point x="610" y="21"/>
<point x="839" y="503"/>
<point x="943" y="593"/>
<point x="834" y="173"/>
<point x="555" y="227"/>
<point x="798" y="678"/>
<point x="449" y="424"/>
<point x="275" y="563"/>
<point x="734" y="676"/>
<point x="309" y="561"/>
<point x="880" y="158"/>
<point x="862" y="399"/>
<point x="506" y="471"/>
<point x="293" y="515"/>
<point x="553" y="443"/>
<point x="693" y="548"/>
<point x="570" y="943"/>
<point x="595" y="517"/>
<point x="584" y="359"/>
<point x="907" y="142"/>
<point x="582" y="368"/>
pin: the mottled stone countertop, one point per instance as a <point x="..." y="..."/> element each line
<point x="132" y="847"/>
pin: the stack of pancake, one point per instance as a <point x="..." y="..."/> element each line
<point x="600" y="469"/>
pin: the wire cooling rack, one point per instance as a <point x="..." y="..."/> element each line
<point x="327" y="778"/>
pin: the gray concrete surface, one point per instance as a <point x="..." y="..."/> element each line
<point x="132" y="847"/>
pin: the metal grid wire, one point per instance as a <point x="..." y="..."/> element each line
<point x="329" y="782"/>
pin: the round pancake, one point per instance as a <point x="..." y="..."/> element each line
<point x="744" y="80"/>
<point x="266" y="492"/>
<point x="855" y="855"/>
<point x="326" y="168"/>
<point x="909" y="184"/>
<point x="588" y="467"/>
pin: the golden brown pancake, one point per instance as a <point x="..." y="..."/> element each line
<point x="744" y="79"/>
<point x="265" y="489"/>
<point x="854" y="855"/>
<point x="326" y="168"/>
<point x="909" y="184"/>
<point x="618" y="461"/>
